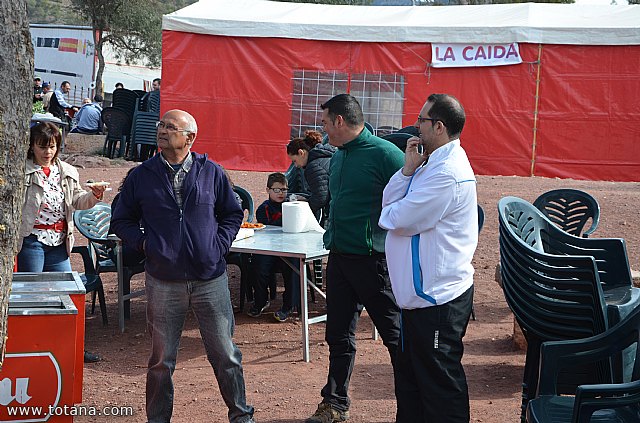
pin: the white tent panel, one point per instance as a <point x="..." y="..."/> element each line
<point x="500" y="23"/>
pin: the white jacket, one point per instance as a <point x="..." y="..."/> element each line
<point x="441" y="208"/>
<point x="75" y="198"/>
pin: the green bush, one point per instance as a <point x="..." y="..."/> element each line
<point x="37" y="107"/>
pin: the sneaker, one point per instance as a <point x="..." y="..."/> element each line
<point x="255" y="311"/>
<point x="281" y="315"/>
<point x="326" y="414"/>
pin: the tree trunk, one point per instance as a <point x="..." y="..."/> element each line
<point x="16" y="68"/>
<point x="98" y="43"/>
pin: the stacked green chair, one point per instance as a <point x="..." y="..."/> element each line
<point x="570" y="209"/>
<point x="619" y="402"/>
<point x="144" y="141"/>
<point x="562" y="287"/>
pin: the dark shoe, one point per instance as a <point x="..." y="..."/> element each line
<point x="326" y="414"/>
<point x="91" y="357"/>
<point x="281" y="315"/>
<point x="256" y="311"/>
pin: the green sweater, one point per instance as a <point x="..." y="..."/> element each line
<point x="360" y="170"/>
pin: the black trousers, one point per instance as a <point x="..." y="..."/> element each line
<point x="354" y="281"/>
<point x="430" y="382"/>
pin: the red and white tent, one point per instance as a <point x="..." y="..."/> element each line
<point x="254" y="72"/>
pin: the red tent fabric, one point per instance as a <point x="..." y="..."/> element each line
<point x="567" y="111"/>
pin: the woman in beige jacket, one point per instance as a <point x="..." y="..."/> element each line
<point x="52" y="193"/>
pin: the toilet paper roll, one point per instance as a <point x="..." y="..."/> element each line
<point x="297" y="217"/>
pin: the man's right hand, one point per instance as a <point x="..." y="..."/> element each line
<point x="412" y="158"/>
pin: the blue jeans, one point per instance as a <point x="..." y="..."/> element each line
<point x="34" y="256"/>
<point x="167" y="305"/>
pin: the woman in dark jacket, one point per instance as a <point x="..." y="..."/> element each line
<point x="310" y="154"/>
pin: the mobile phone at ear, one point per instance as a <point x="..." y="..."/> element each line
<point x="420" y="149"/>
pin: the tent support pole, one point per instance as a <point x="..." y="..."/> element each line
<point x="535" y="113"/>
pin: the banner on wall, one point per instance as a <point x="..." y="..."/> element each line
<point x="63" y="53"/>
<point x="462" y="55"/>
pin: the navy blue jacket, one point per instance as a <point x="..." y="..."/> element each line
<point x="316" y="173"/>
<point x="270" y="213"/>
<point x="181" y="244"/>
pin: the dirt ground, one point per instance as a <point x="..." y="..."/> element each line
<point x="282" y="387"/>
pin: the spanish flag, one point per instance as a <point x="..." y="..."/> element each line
<point x="68" y="44"/>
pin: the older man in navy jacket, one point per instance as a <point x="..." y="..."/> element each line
<point x="190" y="216"/>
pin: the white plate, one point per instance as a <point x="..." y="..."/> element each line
<point x="98" y="184"/>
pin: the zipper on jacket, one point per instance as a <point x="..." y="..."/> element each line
<point x="181" y="209"/>
<point x="333" y="222"/>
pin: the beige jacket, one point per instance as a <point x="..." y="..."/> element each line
<point x="75" y="198"/>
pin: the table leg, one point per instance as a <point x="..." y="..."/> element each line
<point x="304" y="312"/>
<point x="120" y="286"/>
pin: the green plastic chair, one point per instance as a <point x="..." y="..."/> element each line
<point x="562" y="287"/>
<point x="94" y="224"/>
<point x="570" y="209"/>
<point x="619" y="402"/>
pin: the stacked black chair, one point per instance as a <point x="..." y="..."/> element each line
<point x="381" y="131"/>
<point x="143" y="104"/>
<point x="118" y="126"/>
<point x="410" y="130"/>
<point x="153" y="101"/>
<point x="570" y="209"/>
<point x="399" y="139"/>
<point x="140" y="93"/>
<point x="126" y="101"/>
<point x="144" y="143"/>
<point x="562" y="287"/>
<point x="618" y="402"/>
<point x="150" y="102"/>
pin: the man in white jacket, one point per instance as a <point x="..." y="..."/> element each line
<point x="430" y="211"/>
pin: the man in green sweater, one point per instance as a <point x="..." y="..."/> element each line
<point x="357" y="273"/>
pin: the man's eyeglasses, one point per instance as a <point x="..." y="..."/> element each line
<point x="279" y="190"/>
<point x="170" y="127"/>
<point x="424" y="119"/>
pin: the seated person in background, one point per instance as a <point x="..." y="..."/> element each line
<point x="270" y="213"/>
<point x="58" y="105"/>
<point x="89" y="117"/>
<point x="86" y="100"/>
<point x="119" y="85"/>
